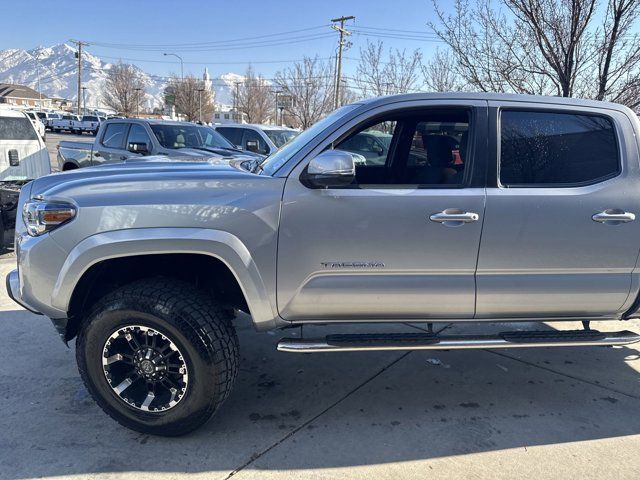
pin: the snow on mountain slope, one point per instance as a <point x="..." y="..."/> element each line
<point x="58" y="74"/>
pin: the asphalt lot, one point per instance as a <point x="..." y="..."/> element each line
<point x="531" y="413"/>
<point x="538" y="413"/>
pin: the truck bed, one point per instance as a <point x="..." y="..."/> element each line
<point x="79" y="154"/>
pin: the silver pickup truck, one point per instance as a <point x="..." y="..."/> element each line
<point x="485" y="208"/>
<point x="119" y="139"/>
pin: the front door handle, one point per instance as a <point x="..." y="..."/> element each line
<point x="454" y="217"/>
<point x="613" y="216"/>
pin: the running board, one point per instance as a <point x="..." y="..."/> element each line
<point x="428" y="341"/>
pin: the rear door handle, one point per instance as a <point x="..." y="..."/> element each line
<point x="454" y="217"/>
<point x="613" y="216"/>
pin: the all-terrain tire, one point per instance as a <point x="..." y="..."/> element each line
<point x="200" y="328"/>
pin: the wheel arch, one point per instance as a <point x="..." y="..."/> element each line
<point x="137" y="248"/>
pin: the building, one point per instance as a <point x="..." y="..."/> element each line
<point x="22" y="97"/>
<point x="224" y="114"/>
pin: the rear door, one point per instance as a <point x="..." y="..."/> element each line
<point x="382" y="248"/>
<point x="111" y="146"/>
<point x="559" y="238"/>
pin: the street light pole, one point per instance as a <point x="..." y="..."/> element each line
<point x="84" y="100"/>
<point x="137" y="102"/>
<point x="277" y="92"/>
<point x="200" y="90"/>
<point x="181" y="63"/>
<point x="38" y="71"/>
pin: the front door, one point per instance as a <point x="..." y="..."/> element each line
<point x="402" y="241"/>
<point x="559" y="235"/>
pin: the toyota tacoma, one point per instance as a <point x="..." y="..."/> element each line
<point x="483" y="208"/>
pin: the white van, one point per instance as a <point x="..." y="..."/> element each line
<point x="23" y="157"/>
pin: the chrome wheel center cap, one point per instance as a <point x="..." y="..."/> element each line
<point x="147" y="367"/>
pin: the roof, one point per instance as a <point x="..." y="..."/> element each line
<point x="511" y="97"/>
<point x="18" y="91"/>
<point x="7" y="112"/>
<point x="259" y="126"/>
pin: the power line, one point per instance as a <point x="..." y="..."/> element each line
<point x="231" y="46"/>
<point x="218" y="42"/>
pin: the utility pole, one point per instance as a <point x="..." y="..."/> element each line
<point x="343" y="33"/>
<point x="200" y="90"/>
<point x="138" y="90"/>
<point x="79" y="44"/>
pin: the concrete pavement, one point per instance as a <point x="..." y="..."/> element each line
<point x="538" y="413"/>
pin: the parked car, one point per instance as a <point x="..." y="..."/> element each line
<point x="146" y="262"/>
<point x="47" y="117"/>
<point x="119" y="139"/>
<point x="262" y="139"/>
<point x="36" y="122"/>
<point x="87" y="124"/>
<point x="66" y="122"/>
<point x="23" y="157"/>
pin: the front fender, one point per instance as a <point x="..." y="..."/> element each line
<point x="149" y="241"/>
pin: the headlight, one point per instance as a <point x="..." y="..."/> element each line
<point x="41" y="216"/>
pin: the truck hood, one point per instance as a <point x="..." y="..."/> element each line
<point x="142" y="169"/>
<point x="213" y="152"/>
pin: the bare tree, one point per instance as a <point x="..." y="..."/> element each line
<point x="253" y="98"/>
<point x="309" y="87"/>
<point x="191" y="98"/>
<point x="440" y="73"/>
<point x="379" y="74"/>
<point x="124" y="89"/>
<point x="552" y="47"/>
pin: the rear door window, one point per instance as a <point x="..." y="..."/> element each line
<point x="234" y="135"/>
<point x="553" y="148"/>
<point x="16" y="128"/>
<point x="114" y="135"/>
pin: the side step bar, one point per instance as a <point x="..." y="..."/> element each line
<point x="427" y="341"/>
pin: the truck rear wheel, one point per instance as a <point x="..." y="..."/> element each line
<point x="158" y="356"/>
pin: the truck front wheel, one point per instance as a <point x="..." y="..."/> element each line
<point x="158" y="356"/>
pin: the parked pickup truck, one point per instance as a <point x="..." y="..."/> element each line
<point x="119" y="139"/>
<point x="146" y="263"/>
<point x="65" y="122"/>
<point x="87" y="124"/>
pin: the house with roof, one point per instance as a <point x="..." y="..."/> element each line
<point x="22" y="96"/>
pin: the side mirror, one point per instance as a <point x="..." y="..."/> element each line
<point x="332" y="168"/>
<point x="138" y="147"/>
<point x="252" y="146"/>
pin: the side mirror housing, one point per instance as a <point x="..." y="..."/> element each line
<point x="138" y="147"/>
<point x="332" y="168"/>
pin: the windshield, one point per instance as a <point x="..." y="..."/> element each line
<point x="280" y="137"/>
<point x="276" y="160"/>
<point x="189" y="136"/>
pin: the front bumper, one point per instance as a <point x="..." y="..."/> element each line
<point x="14" y="291"/>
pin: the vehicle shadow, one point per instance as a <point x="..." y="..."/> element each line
<point x="320" y="411"/>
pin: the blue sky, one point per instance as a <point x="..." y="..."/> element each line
<point x="162" y="22"/>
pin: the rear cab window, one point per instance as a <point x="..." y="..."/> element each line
<point x="546" y="148"/>
<point x="17" y="128"/>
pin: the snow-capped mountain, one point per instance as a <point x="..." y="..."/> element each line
<point x="58" y="74"/>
